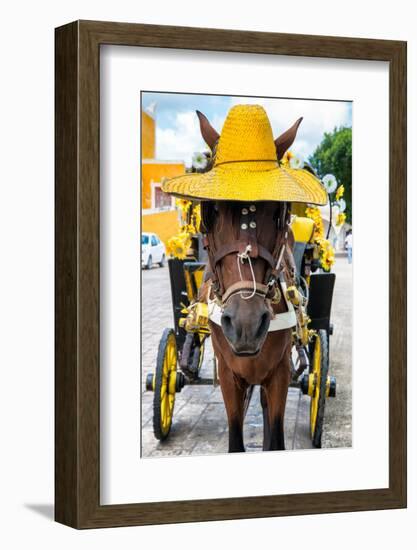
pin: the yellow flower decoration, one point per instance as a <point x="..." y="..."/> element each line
<point x="286" y="158"/>
<point x="340" y="191"/>
<point x="314" y="213"/>
<point x="341" y="218"/>
<point x="324" y="248"/>
<point x="178" y="245"/>
<point x="183" y="204"/>
<point x="326" y="254"/>
<point x="196" y="218"/>
<point x="184" y="207"/>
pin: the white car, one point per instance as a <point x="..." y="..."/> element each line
<point x="153" y="250"/>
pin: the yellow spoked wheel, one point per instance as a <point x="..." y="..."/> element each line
<point x="165" y="385"/>
<point x="317" y="386"/>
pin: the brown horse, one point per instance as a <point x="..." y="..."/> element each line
<point x="246" y="284"/>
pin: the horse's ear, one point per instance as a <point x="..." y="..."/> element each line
<point x="285" y="140"/>
<point x="209" y="134"/>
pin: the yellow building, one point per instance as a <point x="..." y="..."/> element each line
<point x="158" y="209"/>
<point x="148" y="136"/>
<point x="155" y="170"/>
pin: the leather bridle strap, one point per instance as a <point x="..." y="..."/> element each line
<point x="248" y="248"/>
<point x="208" y="243"/>
<point x="239" y="246"/>
<point x="242" y="286"/>
<point x="280" y="246"/>
<point x="274" y="265"/>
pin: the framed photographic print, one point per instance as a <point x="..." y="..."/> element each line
<point x="230" y="274"/>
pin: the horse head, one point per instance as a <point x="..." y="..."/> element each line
<point x="245" y="243"/>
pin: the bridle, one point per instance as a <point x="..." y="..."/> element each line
<point x="247" y="248"/>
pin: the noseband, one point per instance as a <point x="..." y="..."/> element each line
<point x="247" y="248"/>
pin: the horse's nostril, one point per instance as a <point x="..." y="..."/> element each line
<point x="263" y="325"/>
<point x="226" y="321"/>
<point x="231" y="328"/>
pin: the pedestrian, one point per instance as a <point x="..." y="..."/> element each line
<point x="348" y="245"/>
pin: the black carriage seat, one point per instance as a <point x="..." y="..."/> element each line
<point x="321" y="284"/>
<point x="186" y="277"/>
<point x="320" y="302"/>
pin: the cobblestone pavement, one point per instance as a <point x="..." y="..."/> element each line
<point x="199" y="421"/>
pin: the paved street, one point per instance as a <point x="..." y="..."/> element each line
<point x="199" y="422"/>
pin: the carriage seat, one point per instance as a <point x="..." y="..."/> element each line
<point x="302" y="229"/>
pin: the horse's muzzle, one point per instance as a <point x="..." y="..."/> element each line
<point x="245" y="324"/>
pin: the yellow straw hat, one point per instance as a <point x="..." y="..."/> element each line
<point x="246" y="167"/>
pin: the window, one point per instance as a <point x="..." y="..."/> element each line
<point x="145" y="239"/>
<point x="154" y="241"/>
<point x="162" y="200"/>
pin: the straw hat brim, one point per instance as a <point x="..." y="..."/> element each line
<point x="246" y="182"/>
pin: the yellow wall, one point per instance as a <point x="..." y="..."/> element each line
<point x="165" y="224"/>
<point x="148" y="136"/>
<point x="155" y="172"/>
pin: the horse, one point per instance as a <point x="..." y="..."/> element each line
<point x="250" y="245"/>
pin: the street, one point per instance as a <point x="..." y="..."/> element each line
<point x="199" y="420"/>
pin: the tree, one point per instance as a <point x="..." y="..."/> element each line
<point x="334" y="156"/>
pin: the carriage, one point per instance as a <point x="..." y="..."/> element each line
<point x="181" y="347"/>
<point x="275" y="311"/>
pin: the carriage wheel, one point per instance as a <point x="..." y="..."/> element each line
<point x="320" y="370"/>
<point x="165" y="384"/>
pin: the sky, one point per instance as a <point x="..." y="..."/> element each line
<point x="178" y="131"/>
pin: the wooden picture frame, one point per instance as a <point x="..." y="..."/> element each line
<point x="77" y="373"/>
